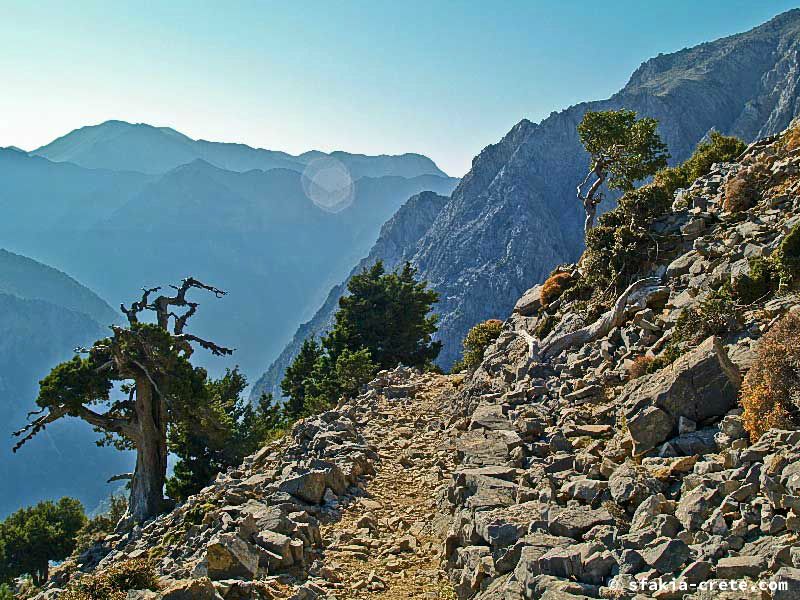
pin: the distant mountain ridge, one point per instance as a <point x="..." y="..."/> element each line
<point x="514" y="216"/>
<point x="118" y="145"/>
<point x="28" y="279"/>
<point x="256" y="234"/>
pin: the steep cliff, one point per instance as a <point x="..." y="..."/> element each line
<point x="514" y="215"/>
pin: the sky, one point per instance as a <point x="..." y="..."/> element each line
<point x="438" y="77"/>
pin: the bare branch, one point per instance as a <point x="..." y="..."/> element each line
<point x="120" y="477"/>
<point x="214" y="348"/>
<point x="137" y="307"/>
<point x="609" y="320"/>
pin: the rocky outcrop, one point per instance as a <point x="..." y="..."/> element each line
<point x="579" y="478"/>
<point x="514" y="216"/>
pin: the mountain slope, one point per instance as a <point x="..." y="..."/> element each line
<point x="25" y="278"/>
<point x="514" y="216"/>
<point x="397" y="235"/>
<point x="255" y="233"/>
<point x="118" y="145"/>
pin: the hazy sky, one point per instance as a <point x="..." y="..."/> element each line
<point x="442" y="78"/>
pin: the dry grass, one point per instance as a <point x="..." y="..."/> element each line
<point x="640" y="366"/>
<point x="771" y="389"/>
<point x="554" y="286"/>
<point x="791" y="139"/>
<point x="740" y="194"/>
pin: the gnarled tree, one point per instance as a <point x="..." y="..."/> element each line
<point x="150" y="365"/>
<point x="623" y="150"/>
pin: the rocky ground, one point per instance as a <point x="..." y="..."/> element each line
<point x="554" y="471"/>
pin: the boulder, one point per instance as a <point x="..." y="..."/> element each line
<point x="574" y="521"/>
<point x="666" y="556"/>
<point x="190" y="589"/>
<point x="699" y="385"/>
<point x="229" y="556"/>
<point x="308" y="486"/>
<point x="738" y="567"/>
<point x="530" y="303"/>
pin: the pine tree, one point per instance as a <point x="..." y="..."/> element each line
<point x="382" y="322"/>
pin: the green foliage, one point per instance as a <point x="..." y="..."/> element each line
<point x="388" y="314"/>
<point x="101" y="525"/>
<point x="384" y="321"/>
<point x="354" y="369"/>
<point x="717" y="314"/>
<point x="717" y="148"/>
<point x="777" y="273"/>
<point x="622" y="245"/>
<point x="5" y="592"/>
<point x="32" y="537"/>
<point x="229" y="429"/>
<point x="113" y="582"/>
<point x="298" y="377"/>
<point x="629" y="149"/>
<point x="480" y="337"/>
<point x="787" y="258"/>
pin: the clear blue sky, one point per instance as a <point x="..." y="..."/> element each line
<point x="442" y="78"/>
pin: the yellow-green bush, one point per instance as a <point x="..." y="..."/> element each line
<point x="113" y="582"/>
<point x="771" y="389"/>
<point x="475" y="343"/>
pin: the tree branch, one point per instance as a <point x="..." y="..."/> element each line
<point x="599" y="328"/>
<point x="137" y="307"/>
<point x="37" y="425"/>
<point x="214" y="348"/>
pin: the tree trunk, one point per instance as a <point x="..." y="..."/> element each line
<point x="147" y="485"/>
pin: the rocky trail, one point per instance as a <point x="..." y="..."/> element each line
<point x="388" y="544"/>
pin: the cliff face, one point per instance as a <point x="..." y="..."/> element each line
<point x="514" y="215"/>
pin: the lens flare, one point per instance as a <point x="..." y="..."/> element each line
<point x="328" y="184"/>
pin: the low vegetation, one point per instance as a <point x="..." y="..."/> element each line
<point x="554" y="286"/>
<point x="770" y="393"/>
<point x="623" y="244"/>
<point x="114" y="581"/>
<point x="475" y="343"/>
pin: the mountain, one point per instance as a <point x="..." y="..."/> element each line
<point x="121" y="146"/>
<point x="276" y="240"/>
<point x="643" y="446"/>
<point x="397" y="236"/>
<point x="44" y="315"/>
<point x="514" y="216"/>
<point x="25" y="278"/>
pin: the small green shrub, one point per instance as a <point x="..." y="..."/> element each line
<point x="760" y="283"/>
<point x="717" y="314"/>
<point x="480" y="337"/>
<point x="787" y="258"/>
<point x="546" y="324"/>
<point x="113" y="582"/>
<point x="717" y="149"/>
